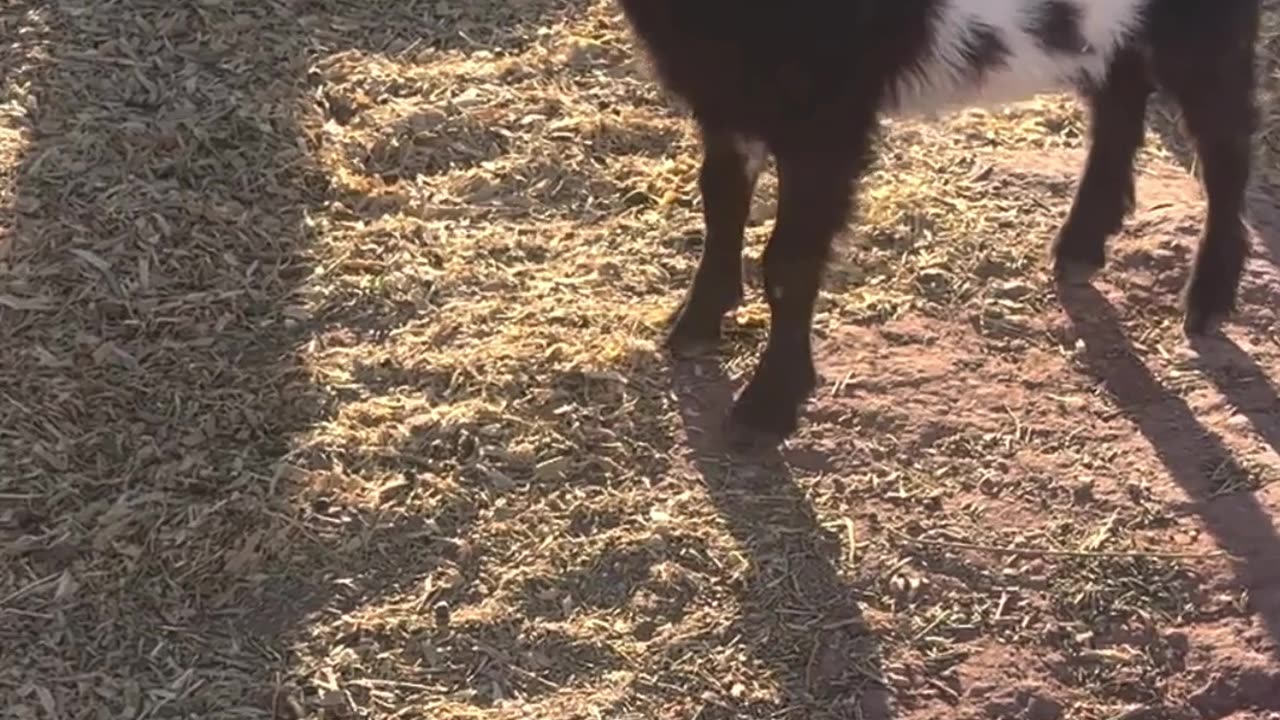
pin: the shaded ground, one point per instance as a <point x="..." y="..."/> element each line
<point x="329" y="387"/>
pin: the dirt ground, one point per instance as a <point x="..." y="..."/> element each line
<point x="330" y="387"/>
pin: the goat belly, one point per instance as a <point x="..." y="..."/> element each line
<point x="985" y="53"/>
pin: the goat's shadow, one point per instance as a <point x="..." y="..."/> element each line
<point x="800" y="616"/>
<point x="1231" y="367"/>
<point x="1244" y="384"/>
<point x="1195" y="458"/>
<point x="1239" y="523"/>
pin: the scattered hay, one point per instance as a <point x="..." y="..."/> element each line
<point x="330" y="387"/>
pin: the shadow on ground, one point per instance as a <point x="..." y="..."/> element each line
<point x="1216" y="485"/>
<point x="153" y="324"/>
<point x="801" y="614"/>
<point x="1240" y="524"/>
<point x="173" y="532"/>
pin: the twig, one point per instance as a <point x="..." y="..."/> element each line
<point x="1036" y="552"/>
<point x="28" y="588"/>
<point x="298" y="525"/>
<point x="400" y="684"/>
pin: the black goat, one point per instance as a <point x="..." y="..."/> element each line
<point x="808" y="80"/>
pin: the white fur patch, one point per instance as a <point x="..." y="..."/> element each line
<point x="947" y="83"/>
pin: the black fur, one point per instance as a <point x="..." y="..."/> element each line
<point x="808" y="80"/>
<point x="1056" y="25"/>
<point x="984" y="51"/>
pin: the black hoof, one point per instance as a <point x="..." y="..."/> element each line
<point x="1203" y="323"/>
<point x="1208" y="306"/>
<point x="749" y="436"/>
<point x="694" y="327"/>
<point x="689" y="340"/>
<point x="765" y="415"/>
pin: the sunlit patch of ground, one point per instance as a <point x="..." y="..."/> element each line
<point x="330" y="387"/>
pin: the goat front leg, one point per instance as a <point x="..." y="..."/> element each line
<point x="1216" y="96"/>
<point x="1105" y="194"/>
<point x="815" y="196"/>
<point x="730" y="167"/>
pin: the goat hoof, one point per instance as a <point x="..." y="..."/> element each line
<point x="1075" y="273"/>
<point x="686" y="340"/>
<point x="1209" y="302"/>
<point x="694" y="328"/>
<point x="1203" y="323"/>
<point x="747" y="437"/>
<point x="753" y="426"/>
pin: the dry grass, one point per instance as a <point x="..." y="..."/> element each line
<point x="329" y="387"/>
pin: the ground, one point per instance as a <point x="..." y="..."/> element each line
<point x="331" y="387"/>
